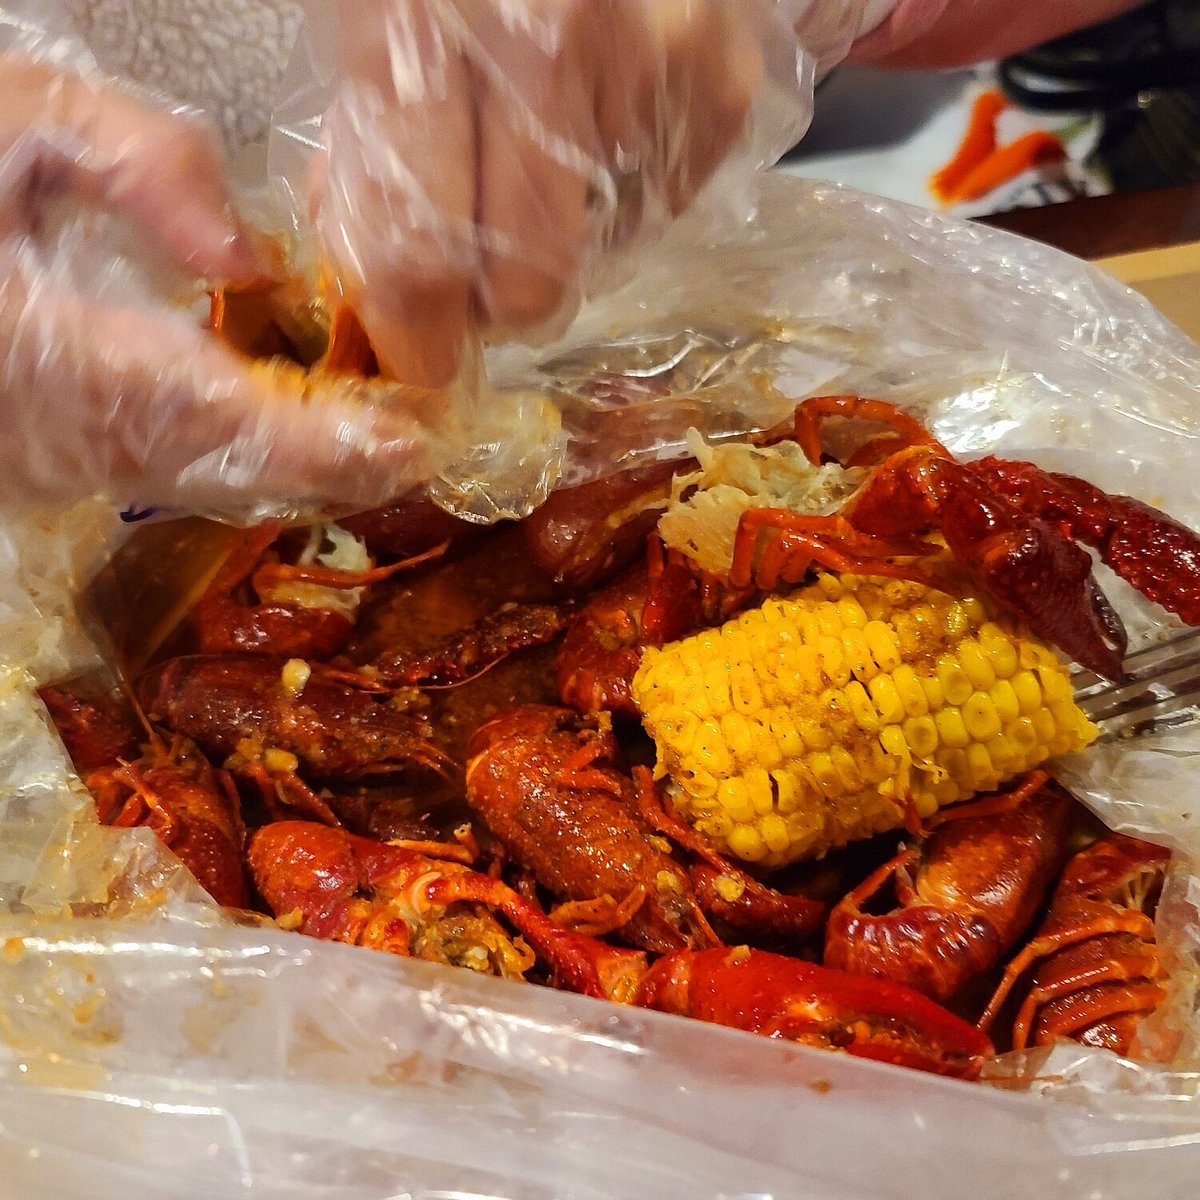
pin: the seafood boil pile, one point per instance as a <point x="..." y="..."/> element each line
<point x="760" y="738"/>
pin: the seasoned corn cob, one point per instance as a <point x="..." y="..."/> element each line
<point x="819" y="718"/>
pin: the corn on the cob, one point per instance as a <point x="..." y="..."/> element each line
<point x="819" y="718"/>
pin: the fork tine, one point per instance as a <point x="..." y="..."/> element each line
<point x="1171" y="712"/>
<point x="1182" y="646"/>
<point x="1160" y="691"/>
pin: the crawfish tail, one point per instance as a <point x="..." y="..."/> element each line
<point x="583" y="535"/>
<point x="782" y="997"/>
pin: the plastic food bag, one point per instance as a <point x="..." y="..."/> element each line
<point x="156" y="1048"/>
<point x="152" y="1046"/>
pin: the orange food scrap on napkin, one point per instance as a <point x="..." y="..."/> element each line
<point x="979" y="165"/>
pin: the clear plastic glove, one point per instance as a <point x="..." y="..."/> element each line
<point x="482" y="157"/>
<point x="103" y="389"/>
<point x="932" y="34"/>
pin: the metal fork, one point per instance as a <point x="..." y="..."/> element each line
<point x="1160" y="690"/>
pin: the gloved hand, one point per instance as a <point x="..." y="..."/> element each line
<point x="932" y="34"/>
<point x="102" y="390"/>
<point x="481" y="156"/>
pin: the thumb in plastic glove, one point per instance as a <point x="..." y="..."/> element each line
<point x="482" y="157"/>
<point x="106" y="392"/>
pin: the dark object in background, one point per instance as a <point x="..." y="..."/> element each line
<point x="1142" y="71"/>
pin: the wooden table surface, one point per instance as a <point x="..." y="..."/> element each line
<point x="1109" y="225"/>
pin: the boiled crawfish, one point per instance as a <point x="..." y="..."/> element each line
<point x="467" y="654"/>
<point x="287" y="615"/>
<point x="656" y="601"/>
<point x="408" y="902"/>
<point x="780" y="997"/>
<point x="1009" y="527"/>
<point x="193" y="808"/>
<point x="966" y="893"/>
<point x="1096" y="968"/>
<point x="267" y="718"/>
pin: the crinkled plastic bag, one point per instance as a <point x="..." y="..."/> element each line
<point x="152" y="1046"/>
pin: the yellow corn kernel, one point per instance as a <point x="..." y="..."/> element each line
<point x="979" y="761"/>
<point x="858" y="654"/>
<point x="743" y="687"/>
<point x="1004" y="697"/>
<point x="979" y="716"/>
<point x="734" y="797"/>
<point x="887" y="699"/>
<point x="1023" y="734"/>
<point x="833" y="661"/>
<point x="775" y="833"/>
<point x="747" y="843"/>
<point x="908" y="688"/>
<point x="738" y="734"/>
<point x="922" y="736"/>
<point x="861" y="707"/>
<point x="1028" y="689"/>
<point x="1000" y="649"/>
<point x="894" y="743"/>
<point x="850" y="613"/>
<point x="952" y="728"/>
<point x="881" y="641"/>
<point x="977" y="665"/>
<point x="956" y="686"/>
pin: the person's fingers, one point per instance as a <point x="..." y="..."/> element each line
<point x="712" y="69"/>
<point x="161" y="170"/>
<point x="479" y="155"/>
<point x="145" y="407"/>
<point x="397" y="208"/>
<point x="936" y="34"/>
<point x="539" y="158"/>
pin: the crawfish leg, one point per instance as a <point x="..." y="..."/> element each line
<point x="811" y="414"/>
<point x="469" y="653"/>
<point x="798" y="543"/>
